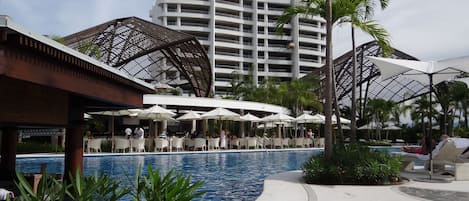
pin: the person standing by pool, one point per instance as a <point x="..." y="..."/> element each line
<point x="223" y="139"/>
<point x="140" y="133"/>
<point x="128" y="132"/>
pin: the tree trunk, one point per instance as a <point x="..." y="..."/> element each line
<point x="337" y="110"/>
<point x="465" y="116"/>
<point x="328" y="86"/>
<point x="353" y="124"/>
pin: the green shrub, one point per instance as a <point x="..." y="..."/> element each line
<point x="153" y="186"/>
<point x="353" y="164"/>
<point x="172" y="186"/>
<point x="37" y="147"/>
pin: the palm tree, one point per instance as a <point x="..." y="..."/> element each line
<point x="420" y="111"/>
<point x="379" y="110"/>
<point x="337" y="11"/>
<point x="444" y="97"/>
<point x="365" y="11"/>
<point x="460" y="95"/>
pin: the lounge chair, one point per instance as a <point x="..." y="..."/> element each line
<point x="214" y="143"/>
<point x="94" y="145"/>
<point x="138" y="145"/>
<point x="446" y="152"/>
<point x="161" y="144"/>
<point x="121" y="144"/>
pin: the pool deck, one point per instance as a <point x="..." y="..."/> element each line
<point x="290" y="186"/>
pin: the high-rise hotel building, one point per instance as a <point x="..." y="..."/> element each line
<point x="239" y="36"/>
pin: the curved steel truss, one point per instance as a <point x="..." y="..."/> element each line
<point x="369" y="84"/>
<point x="148" y="51"/>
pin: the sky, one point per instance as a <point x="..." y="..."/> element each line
<point x="426" y="29"/>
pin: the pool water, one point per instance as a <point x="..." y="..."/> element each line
<point x="227" y="176"/>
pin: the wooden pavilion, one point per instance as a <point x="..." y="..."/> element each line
<point x="46" y="84"/>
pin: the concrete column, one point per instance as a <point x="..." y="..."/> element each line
<point x="8" y="153"/>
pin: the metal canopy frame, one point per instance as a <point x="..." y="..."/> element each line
<point x="148" y="51"/>
<point x="397" y="88"/>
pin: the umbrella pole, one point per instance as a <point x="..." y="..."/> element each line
<point x="429" y="133"/>
<point x="112" y="134"/>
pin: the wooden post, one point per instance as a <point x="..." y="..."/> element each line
<point x="74" y="139"/>
<point x="8" y="152"/>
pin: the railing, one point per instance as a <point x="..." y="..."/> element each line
<point x="227" y="27"/>
<point x="194" y="24"/>
<point x="189" y="10"/>
<point x="218" y="13"/>
<point x="218" y="39"/>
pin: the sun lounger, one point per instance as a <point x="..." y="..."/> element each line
<point x="445" y="153"/>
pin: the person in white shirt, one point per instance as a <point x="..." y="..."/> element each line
<point x="140" y="133"/>
<point x="128" y="132"/>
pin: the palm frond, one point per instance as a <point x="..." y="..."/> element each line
<point x="377" y="32"/>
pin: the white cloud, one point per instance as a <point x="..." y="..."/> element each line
<point x="426" y="29"/>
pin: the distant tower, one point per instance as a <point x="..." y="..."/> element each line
<point x="239" y="36"/>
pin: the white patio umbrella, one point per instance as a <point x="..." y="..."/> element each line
<point x="281" y="118"/>
<point x="391" y="128"/>
<point x="113" y="113"/>
<point x="155" y="113"/>
<point x="307" y="118"/>
<point x="370" y="126"/>
<point x="342" y="120"/>
<point x="432" y="72"/>
<point x="322" y="118"/>
<point x="250" y="117"/>
<point x="221" y="114"/>
<point x="190" y="116"/>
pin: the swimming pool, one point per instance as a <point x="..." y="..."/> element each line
<point x="227" y="176"/>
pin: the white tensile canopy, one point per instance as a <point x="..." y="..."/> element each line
<point x="426" y="72"/>
<point x="250" y="117"/>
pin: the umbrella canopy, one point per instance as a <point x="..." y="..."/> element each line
<point x="430" y="73"/>
<point x="127" y="112"/>
<point x="281" y="118"/>
<point x="419" y="70"/>
<point x="221" y="114"/>
<point x="342" y="120"/>
<point x="370" y="126"/>
<point x="250" y="117"/>
<point x="392" y="128"/>
<point x="191" y="115"/>
<point x="307" y="118"/>
<point x="156" y="113"/>
<point x="322" y="118"/>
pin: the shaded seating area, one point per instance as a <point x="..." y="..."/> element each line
<point x="37" y="73"/>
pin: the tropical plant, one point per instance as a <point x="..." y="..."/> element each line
<point x="420" y="111"/>
<point x="379" y="110"/>
<point x="153" y="186"/>
<point x="460" y="95"/>
<point x="335" y="12"/>
<point x="443" y="96"/>
<point x="364" y="11"/>
<point x="172" y="186"/>
<point x="296" y="95"/>
<point x="353" y="164"/>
